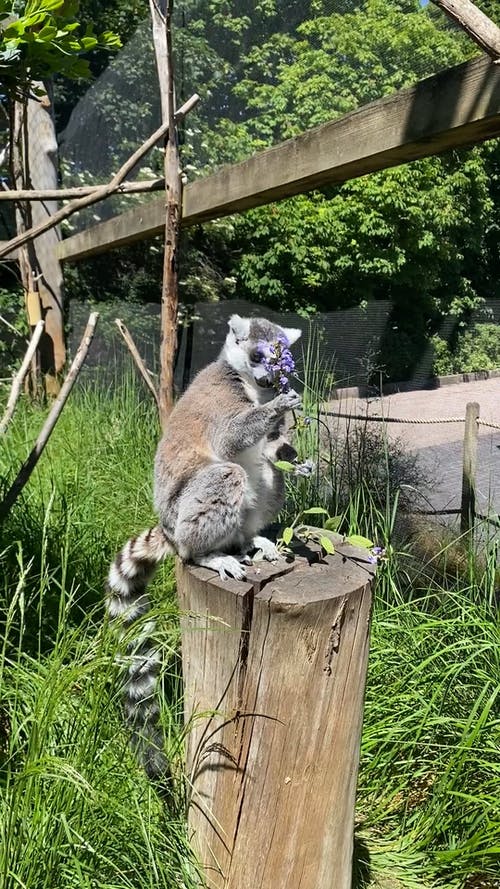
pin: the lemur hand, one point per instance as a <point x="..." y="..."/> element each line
<point x="287" y="401"/>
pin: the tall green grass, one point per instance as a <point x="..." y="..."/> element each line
<point x="76" y="810"/>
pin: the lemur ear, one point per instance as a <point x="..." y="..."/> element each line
<point x="292" y="334"/>
<point x="240" y="327"/>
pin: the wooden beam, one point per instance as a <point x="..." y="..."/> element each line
<point x="459" y="106"/>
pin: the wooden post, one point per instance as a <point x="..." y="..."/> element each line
<point x="274" y="677"/>
<point x="468" y="507"/>
<point x="41" y="273"/>
<point x="161" y="14"/>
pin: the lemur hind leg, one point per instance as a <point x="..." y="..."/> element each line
<point x="210" y="518"/>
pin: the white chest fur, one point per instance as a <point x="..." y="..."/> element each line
<point x="259" y="474"/>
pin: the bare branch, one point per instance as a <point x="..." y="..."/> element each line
<point x="28" y="466"/>
<point x="170" y="295"/>
<point x="10" y="326"/>
<point x="63" y="194"/>
<point x="137" y="358"/>
<point x="102" y="192"/>
<point x="477" y="25"/>
<point x="18" y="380"/>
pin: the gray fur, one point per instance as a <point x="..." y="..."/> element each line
<point x="215" y="488"/>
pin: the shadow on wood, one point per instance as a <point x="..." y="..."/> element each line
<point x="274" y="674"/>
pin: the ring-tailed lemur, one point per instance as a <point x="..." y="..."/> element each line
<point x="215" y="488"/>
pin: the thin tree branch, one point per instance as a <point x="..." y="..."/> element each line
<point x="79" y="191"/>
<point x="18" y="380"/>
<point x="28" y="466"/>
<point x="137" y="358"/>
<point x="103" y="191"/>
<point x="170" y="295"/>
<point x="477" y="25"/>
<point x="10" y="326"/>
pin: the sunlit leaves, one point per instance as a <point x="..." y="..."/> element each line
<point x="43" y="39"/>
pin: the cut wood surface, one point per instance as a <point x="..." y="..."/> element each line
<point x="274" y="676"/>
<point x="456" y="107"/>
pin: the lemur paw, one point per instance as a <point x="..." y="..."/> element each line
<point x="227" y="566"/>
<point x="269" y="551"/>
<point x="305" y="469"/>
<point x="288" y="401"/>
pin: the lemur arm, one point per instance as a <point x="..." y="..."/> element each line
<point x="246" y="429"/>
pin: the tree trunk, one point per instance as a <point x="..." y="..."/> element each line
<point x="35" y="164"/>
<point x="279" y="662"/>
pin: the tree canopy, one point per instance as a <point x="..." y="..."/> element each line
<point x="424" y="235"/>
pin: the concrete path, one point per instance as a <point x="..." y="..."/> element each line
<point x="439" y="446"/>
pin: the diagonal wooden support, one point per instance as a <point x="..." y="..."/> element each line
<point x="475" y="23"/>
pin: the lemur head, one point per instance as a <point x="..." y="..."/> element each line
<point x="248" y="342"/>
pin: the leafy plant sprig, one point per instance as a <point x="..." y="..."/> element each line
<point x="323" y="535"/>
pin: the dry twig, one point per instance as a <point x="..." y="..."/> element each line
<point x="18" y="380"/>
<point x="137" y="358"/>
<point x="169" y="296"/>
<point x="28" y="466"/>
<point x="103" y="191"/>
<point x="79" y="191"/>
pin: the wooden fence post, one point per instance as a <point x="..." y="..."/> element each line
<point x="468" y="507"/>
<point x="274" y="677"/>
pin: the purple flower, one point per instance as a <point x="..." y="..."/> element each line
<point x="377" y="554"/>
<point x="278" y="361"/>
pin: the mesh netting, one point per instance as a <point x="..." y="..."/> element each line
<point x="265" y="72"/>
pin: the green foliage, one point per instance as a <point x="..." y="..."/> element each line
<point x="76" y="809"/>
<point x="475" y="350"/>
<point x="415" y="233"/>
<point x="424" y="235"/>
<point x="13" y="330"/>
<point x="44" y="38"/>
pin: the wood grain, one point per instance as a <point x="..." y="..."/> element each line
<point x="274" y="672"/>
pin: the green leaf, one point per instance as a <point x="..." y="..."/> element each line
<point x="315" y="510"/>
<point x="327" y="545"/>
<point x="89" y="42"/>
<point x="287" y="535"/>
<point x="333" y="523"/>
<point x="109" y="39"/>
<point x="48" y="32"/>
<point x="284" y="465"/>
<point x="358" y="540"/>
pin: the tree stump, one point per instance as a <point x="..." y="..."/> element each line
<point x="274" y="678"/>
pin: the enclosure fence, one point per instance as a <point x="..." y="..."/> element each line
<point x="472" y="422"/>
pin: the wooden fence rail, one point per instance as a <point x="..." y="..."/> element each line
<point x="471" y="421"/>
<point x="459" y="106"/>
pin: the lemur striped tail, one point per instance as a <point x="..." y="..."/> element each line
<point x="128" y="601"/>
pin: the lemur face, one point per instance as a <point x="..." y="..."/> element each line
<point x="251" y="344"/>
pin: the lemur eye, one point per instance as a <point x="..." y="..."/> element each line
<point x="255" y="356"/>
